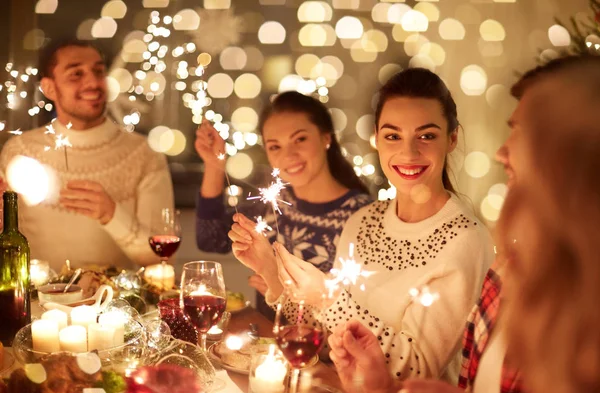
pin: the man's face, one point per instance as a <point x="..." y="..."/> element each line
<point x="78" y="84"/>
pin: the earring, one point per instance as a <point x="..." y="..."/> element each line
<point x="328" y="146"/>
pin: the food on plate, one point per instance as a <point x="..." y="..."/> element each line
<point x="235" y="301"/>
<point x="241" y="358"/>
<point x="112" y="382"/>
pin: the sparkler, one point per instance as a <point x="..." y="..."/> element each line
<point x="270" y="195"/>
<point x="59" y="140"/>
<point x="262" y="226"/>
<point x="348" y="273"/>
<point x="221" y="156"/>
<point x="16" y="132"/>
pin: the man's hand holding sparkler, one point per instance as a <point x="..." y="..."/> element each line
<point x="253" y="249"/>
<point x="88" y="198"/>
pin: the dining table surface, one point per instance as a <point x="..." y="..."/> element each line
<point x="322" y="373"/>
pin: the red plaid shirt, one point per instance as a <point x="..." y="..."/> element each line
<point x="479" y="328"/>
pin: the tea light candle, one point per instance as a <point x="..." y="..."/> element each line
<point x="115" y="320"/>
<point x="100" y="337"/>
<point x="269" y="376"/>
<point x="161" y="276"/>
<point x="44" y="334"/>
<point x="58" y="316"/>
<point x="83" y="316"/>
<point x="73" y="339"/>
<point x="39" y="271"/>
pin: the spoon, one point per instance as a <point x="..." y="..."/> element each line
<point x="72" y="280"/>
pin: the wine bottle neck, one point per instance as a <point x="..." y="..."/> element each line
<point x="11" y="216"/>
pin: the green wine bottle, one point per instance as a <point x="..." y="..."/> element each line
<point x="14" y="273"/>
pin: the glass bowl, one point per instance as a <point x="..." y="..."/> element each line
<point x="123" y="358"/>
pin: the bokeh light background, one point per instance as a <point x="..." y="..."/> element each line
<point x="340" y="51"/>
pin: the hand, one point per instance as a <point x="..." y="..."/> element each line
<point x="250" y="247"/>
<point x="358" y="358"/>
<point x="429" y="386"/>
<point x="258" y="283"/>
<point x="209" y="145"/>
<point x="303" y="280"/>
<point x="88" y="198"/>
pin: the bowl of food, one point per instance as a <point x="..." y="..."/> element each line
<point x="236" y="302"/>
<point x="55" y="293"/>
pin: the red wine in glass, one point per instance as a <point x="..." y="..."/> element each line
<point x="164" y="245"/>
<point x="204" y="311"/>
<point x="299" y="344"/>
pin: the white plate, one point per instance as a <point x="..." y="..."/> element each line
<point x="214" y="356"/>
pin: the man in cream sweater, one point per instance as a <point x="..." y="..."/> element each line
<point x="108" y="185"/>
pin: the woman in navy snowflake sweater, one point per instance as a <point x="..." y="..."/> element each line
<point x="323" y="191"/>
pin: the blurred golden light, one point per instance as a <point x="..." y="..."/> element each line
<point x="271" y="33"/>
<point x="346" y="4"/>
<point x="477" y="164"/>
<point x="255" y="58"/>
<point x="247" y="86"/>
<point x="434" y="51"/>
<point x="559" y="35"/>
<point x="305" y="64"/>
<point x="331" y="68"/>
<point x="490" y="49"/>
<point x="317" y="35"/>
<point x="496" y="195"/>
<point x="133" y="51"/>
<point x="186" y="19"/>
<point x="429" y="10"/>
<point x="396" y="12"/>
<point x="422" y="61"/>
<point x="497" y="95"/>
<point x="134" y="35"/>
<point x="46" y="6"/>
<point x="290" y="82"/>
<point x="275" y="69"/>
<point x="452" y="30"/>
<point x="32" y="180"/>
<point x="489" y="210"/>
<point x="314" y="11"/>
<point x="272" y="2"/>
<point x="34" y="39"/>
<point x="349" y="27"/>
<point x="204" y="59"/>
<point x="365" y="126"/>
<point x="155" y="3"/>
<point x="244" y="119"/>
<point x="492" y="30"/>
<point x="113" y="87"/>
<point x="104" y="28"/>
<point x="399" y="34"/>
<point x="115" y="9"/>
<point x="414" y="43"/>
<point x="387" y="71"/>
<point x="340" y="120"/>
<point x="473" y="80"/>
<point x="178" y="145"/>
<point x="374" y="41"/>
<point x="415" y="21"/>
<point x="239" y="166"/>
<point x="360" y="55"/>
<point x="161" y="139"/>
<point x="220" y="85"/>
<point x="345" y="88"/>
<point x="379" y="13"/>
<point x="233" y="58"/>
<point x="217" y="4"/>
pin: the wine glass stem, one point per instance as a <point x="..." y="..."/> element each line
<point x="203" y="341"/>
<point x="295" y="380"/>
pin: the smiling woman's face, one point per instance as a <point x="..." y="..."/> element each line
<point x="296" y="146"/>
<point x="413" y="142"/>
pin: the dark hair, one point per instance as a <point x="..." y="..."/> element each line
<point x="552" y="67"/>
<point x="421" y="83"/>
<point x="318" y="115"/>
<point x="48" y="56"/>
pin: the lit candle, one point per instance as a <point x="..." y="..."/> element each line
<point x="100" y="337"/>
<point x="161" y="276"/>
<point x="83" y="316"/>
<point x="115" y="320"/>
<point x="39" y="272"/>
<point x="60" y="317"/>
<point x="44" y="334"/>
<point x="73" y="339"/>
<point x="269" y="376"/>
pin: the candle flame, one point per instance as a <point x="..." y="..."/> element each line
<point x="234" y="343"/>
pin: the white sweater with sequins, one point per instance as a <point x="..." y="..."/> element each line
<point x="449" y="253"/>
<point x="136" y="178"/>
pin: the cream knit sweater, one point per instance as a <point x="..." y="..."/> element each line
<point x="136" y="178"/>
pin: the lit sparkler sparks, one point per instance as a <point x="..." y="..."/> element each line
<point x="348" y="273"/>
<point x="221" y="156"/>
<point x="262" y="226"/>
<point x="59" y="140"/>
<point x="424" y="296"/>
<point x="270" y="195"/>
<point x="16" y="132"/>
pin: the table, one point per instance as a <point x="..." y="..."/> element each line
<point x="240" y="322"/>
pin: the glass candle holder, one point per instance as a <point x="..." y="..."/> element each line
<point x="268" y="372"/>
<point x="217" y="332"/>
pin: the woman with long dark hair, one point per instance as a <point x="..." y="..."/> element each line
<point x="323" y="190"/>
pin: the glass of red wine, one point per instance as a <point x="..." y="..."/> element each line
<point x="299" y="335"/>
<point x="165" y="234"/>
<point x="203" y="296"/>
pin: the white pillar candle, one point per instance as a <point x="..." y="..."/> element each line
<point x="115" y="320"/>
<point x="161" y="276"/>
<point x="44" y="334"/>
<point x="83" y="316"/>
<point x="60" y="317"/>
<point x="100" y="337"/>
<point x="73" y="339"/>
<point x="269" y="376"/>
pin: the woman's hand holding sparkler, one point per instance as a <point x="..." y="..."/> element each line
<point x="358" y="358"/>
<point x="210" y="146"/>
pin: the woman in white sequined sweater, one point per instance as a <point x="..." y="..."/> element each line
<point x="426" y="237"/>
